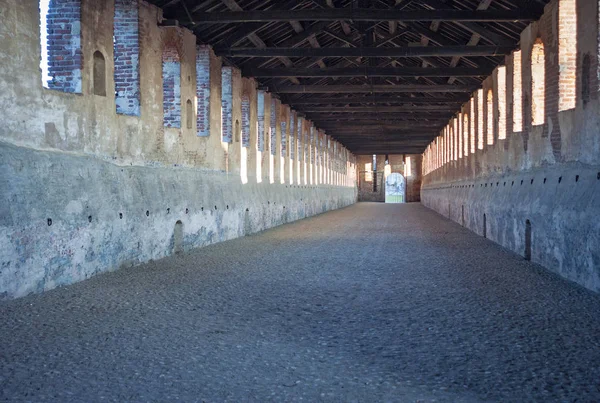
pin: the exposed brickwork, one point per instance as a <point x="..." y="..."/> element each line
<point x="501" y="77"/>
<point x="490" y="117"/>
<point x="260" y="106"/>
<point x="226" y="104"/>
<point x="517" y="92"/>
<point x="203" y="90"/>
<point x="546" y="135"/>
<point x="245" y="120"/>
<point x="171" y="72"/>
<point x="480" y="119"/>
<point x="63" y="26"/>
<point x="299" y="139"/>
<point x="273" y="123"/>
<point x="567" y="54"/>
<point x="127" y="57"/>
<point x="283" y="138"/>
<point x="292" y="144"/>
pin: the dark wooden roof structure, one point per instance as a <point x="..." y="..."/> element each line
<point x="380" y="76"/>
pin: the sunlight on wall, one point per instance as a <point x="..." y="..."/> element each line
<point x="517" y="93"/>
<point x="538" y="83"/>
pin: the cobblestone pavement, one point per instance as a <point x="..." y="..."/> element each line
<point x="373" y="302"/>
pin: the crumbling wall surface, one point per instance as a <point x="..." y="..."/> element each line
<point x="85" y="188"/>
<point x="537" y="191"/>
<point x="66" y="217"/>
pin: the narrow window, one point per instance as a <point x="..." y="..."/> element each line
<point x="517" y="93"/>
<point x="527" y="240"/>
<point x="178" y="237"/>
<point x="567" y="54"/>
<point x="99" y="75"/>
<point x="203" y="90"/>
<point x="226" y="104"/>
<point x="237" y="131"/>
<point x="502" y="102"/>
<point x="537" y="83"/>
<point x="171" y="75"/>
<point x="490" y="117"/>
<point x="369" y="172"/>
<point x="408" y="167"/>
<point x="60" y="42"/>
<point x="480" y="119"/>
<point x="189" y="114"/>
<point x="126" y="49"/>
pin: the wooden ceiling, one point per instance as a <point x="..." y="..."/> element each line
<point x="380" y="76"/>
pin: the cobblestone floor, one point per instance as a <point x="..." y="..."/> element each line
<point x="373" y="302"/>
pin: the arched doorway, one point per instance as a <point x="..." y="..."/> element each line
<point x="395" y="188"/>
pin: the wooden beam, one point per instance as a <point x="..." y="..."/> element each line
<point x="368" y="72"/>
<point x="360" y="14"/>
<point x="353" y="89"/>
<point x="369" y="109"/>
<point x="405" y="51"/>
<point x="373" y="99"/>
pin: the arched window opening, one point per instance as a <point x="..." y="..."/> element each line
<point x="567" y="54"/>
<point x="480" y="119"/>
<point x="490" y="117"/>
<point x="171" y="75"/>
<point x="60" y="45"/>
<point x="189" y="114"/>
<point x="585" y="79"/>
<point x="502" y="102"/>
<point x="99" y="74"/>
<point x="126" y="50"/>
<point x="517" y="93"/>
<point x="527" y="253"/>
<point x="178" y="237"/>
<point x="538" y="83"/>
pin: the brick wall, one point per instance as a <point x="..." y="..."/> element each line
<point x="260" y="106"/>
<point x="226" y="104"/>
<point x="273" y="117"/>
<point x="171" y="74"/>
<point x="127" y="55"/>
<point x="245" y="120"/>
<point x="63" y="26"/>
<point x="203" y="90"/>
<point x="283" y="138"/>
<point x="292" y="144"/>
<point x="545" y="168"/>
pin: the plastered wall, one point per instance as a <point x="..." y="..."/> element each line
<point x="536" y="191"/>
<point x="86" y="190"/>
